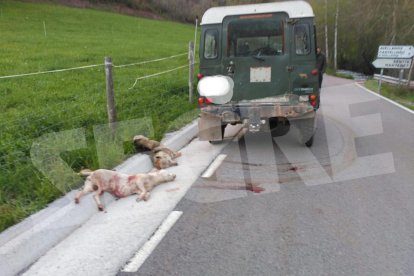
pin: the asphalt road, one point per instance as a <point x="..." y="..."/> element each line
<point x="343" y="207"/>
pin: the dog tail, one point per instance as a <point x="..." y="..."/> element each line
<point x="85" y="172"/>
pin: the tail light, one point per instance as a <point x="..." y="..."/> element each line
<point x="203" y="101"/>
<point x="313" y="99"/>
<point x="200" y="76"/>
<point x="314" y="72"/>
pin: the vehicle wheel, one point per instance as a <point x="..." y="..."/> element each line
<point x="306" y="131"/>
<point x="278" y="127"/>
<point x="309" y="143"/>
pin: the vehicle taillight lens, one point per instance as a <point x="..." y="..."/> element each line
<point x="202" y="101"/>
<point x="200" y="76"/>
<point x="313" y="100"/>
<point x="314" y="72"/>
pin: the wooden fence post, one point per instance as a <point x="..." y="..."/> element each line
<point x="190" y="70"/>
<point x="110" y="93"/>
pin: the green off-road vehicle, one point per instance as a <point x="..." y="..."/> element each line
<point x="258" y="68"/>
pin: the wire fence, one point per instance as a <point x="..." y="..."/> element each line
<point x="38" y="103"/>
<point x="88" y="66"/>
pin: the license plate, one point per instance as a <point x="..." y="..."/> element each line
<point x="260" y="74"/>
<point x="279" y="99"/>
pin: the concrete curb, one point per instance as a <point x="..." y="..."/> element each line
<point x="104" y="243"/>
<point x="22" y="244"/>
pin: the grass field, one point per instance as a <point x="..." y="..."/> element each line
<point x="402" y="94"/>
<point x="41" y="37"/>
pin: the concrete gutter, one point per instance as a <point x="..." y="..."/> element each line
<point x="24" y="243"/>
<point x="103" y="244"/>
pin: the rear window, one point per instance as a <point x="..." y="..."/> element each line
<point x="210" y="44"/>
<point x="255" y="37"/>
<point x="302" y="39"/>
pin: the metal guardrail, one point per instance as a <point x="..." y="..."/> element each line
<point x="392" y="80"/>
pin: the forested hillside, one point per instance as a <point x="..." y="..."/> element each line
<point x="361" y="25"/>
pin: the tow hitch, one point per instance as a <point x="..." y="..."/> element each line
<point x="254" y="120"/>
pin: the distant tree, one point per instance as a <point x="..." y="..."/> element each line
<point x="336" y="37"/>
<point x="326" y="32"/>
<point x="350" y="30"/>
<point x="394" y="22"/>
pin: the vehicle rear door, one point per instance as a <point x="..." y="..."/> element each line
<point x="304" y="78"/>
<point x="255" y="55"/>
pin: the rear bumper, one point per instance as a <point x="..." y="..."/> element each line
<point x="237" y="113"/>
<point x="213" y="117"/>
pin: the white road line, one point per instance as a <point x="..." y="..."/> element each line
<point x="384" y="98"/>
<point x="135" y="263"/>
<point x="214" y="166"/>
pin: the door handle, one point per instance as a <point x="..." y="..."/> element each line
<point x="230" y="68"/>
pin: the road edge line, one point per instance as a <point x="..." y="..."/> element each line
<point x="385" y="98"/>
<point x="146" y="250"/>
<point x="214" y="166"/>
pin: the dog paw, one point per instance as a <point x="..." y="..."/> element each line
<point x="77" y="200"/>
<point x="146" y="196"/>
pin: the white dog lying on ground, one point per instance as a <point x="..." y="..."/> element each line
<point x="163" y="157"/>
<point x="121" y="185"/>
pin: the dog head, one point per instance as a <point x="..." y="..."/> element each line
<point x="167" y="175"/>
<point x="163" y="160"/>
<point x="162" y="175"/>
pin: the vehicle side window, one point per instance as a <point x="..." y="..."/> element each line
<point x="302" y="39"/>
<point x="211" y="44"/>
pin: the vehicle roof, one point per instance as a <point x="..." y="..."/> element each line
<point x="295" y="9"/>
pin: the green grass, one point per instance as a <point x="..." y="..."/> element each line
<point x="344" y="76"/>
<point x="332" y="72"/>
<point x="34" y="106"/>
<point x="402" y="94"/>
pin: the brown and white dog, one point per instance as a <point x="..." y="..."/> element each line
<point x="163" y="157"/>
<point x="144" y="142"/>
<point x="121" y="185"/>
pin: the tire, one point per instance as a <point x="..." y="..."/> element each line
<point x="278" y="128"/>
<point x="306" y="129"/>
<point x="309" y="143"/>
